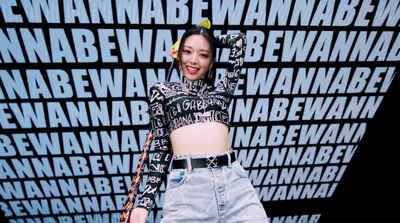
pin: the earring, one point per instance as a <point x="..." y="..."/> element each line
<point x="210" y="74"/>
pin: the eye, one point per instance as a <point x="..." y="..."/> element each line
<point x="186" y="51"/>
<point x="205" y="56"/>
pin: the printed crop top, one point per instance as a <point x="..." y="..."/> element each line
<point x="174" y="105"/>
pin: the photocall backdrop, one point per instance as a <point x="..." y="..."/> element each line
<point x="315" y="96"/>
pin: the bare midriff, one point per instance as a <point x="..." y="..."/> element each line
<point x="200" y="138"/>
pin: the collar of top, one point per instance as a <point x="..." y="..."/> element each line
<point x="197" y="86"/>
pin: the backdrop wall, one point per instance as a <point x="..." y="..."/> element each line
<point x="309" y="120"/>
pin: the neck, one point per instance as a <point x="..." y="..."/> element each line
<point x="193" y="85"/>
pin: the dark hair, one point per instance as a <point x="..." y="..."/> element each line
<point x="207" y="34"/>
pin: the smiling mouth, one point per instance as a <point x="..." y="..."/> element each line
<point x="192" y="70"/>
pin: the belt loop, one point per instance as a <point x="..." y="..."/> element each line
<point x="229" y="158"/>
<point x="189" y="164"/>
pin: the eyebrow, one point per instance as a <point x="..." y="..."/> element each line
<point x="208" y="51"/>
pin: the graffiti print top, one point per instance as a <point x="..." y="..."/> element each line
<point x="174" y="105"/>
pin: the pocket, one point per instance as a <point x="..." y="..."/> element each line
<point x="239" y="170"/>
<point x="176" y="178"/>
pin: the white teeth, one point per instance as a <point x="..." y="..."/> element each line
<point x="193" y="69"/>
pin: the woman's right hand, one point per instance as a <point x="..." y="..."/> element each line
<point x="138" y="215"/>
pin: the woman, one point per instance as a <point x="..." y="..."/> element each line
<point x="190" y="124"/>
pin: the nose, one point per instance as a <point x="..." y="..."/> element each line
<point x="193" y="59"/>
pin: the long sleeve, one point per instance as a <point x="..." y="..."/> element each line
<point x="237" y="44"/>
<point x="162" y="148"/>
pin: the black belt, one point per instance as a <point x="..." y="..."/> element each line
<point x="210" y="162"/>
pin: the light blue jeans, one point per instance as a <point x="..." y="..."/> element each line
<point x="222" y="194"/>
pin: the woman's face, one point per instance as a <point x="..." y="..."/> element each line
<point x="196" y="57"/>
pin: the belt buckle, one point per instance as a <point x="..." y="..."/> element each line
<point x="212" y="162"/>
